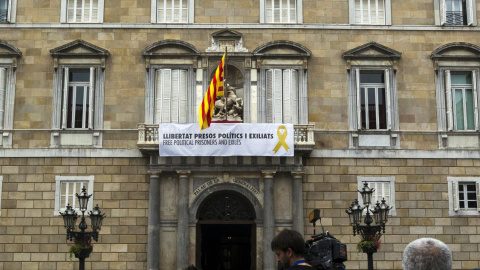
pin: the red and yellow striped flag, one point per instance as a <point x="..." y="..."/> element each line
<point x="208" y="103"/>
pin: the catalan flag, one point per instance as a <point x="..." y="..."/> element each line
<point x="208" y="103"/>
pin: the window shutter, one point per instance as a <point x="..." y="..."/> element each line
<point x="268" y="11"/>
<point x="448" y="94"/>
<point x="176" y="11"/>
<point x="455" y="195"/>
<point x="359" y="105"/>
<point x="443" y="15"/>
<point x="277" y="96"/>
<point x="477" y="185"/>
<point x="9" y="11"/>
<point x="65" y="98"/>
<point x="175" y="89"/>
<point x="475" y="100"/>
<point x="287" y="94"/>
<point x="158" y="97"/>
<point x="294" y="111"/>
<point x="470" y="10"/>
<point x="183" y="96"/>
<point x="90" y="97"/>
<point x="269" y="89"/>
<point x="3" y="86"/>
<point x="167" y="96"/>
<point x="387" y="97"/>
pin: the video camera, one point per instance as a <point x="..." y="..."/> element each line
<point x="323" y="251"/>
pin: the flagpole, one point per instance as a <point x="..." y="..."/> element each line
<point x="224" y="84"/>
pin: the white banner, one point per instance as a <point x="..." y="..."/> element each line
<point x="222" y="139"/>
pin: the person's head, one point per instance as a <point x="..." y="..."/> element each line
<point x="289" y="246"/>
<point x="426" y="254"/>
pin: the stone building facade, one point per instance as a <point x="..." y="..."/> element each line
<point x="382" y="91"/>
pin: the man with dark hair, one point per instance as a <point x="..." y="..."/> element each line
<point x="289" y="247"/>
<point x="427" y="254"/>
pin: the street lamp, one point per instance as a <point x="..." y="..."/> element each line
<point x="82" y="238"/>
<point x="370" y="234"/>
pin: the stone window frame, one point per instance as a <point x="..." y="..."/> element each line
<point x="78" y="54"/>
<point x="352" y="15"/>
<point x="171" y="54"/>
<point x="59" y="179"/>
<point x="299" y="13"/>
<point x="372" y="57"/>
<point x="11" y="16"/>
<point x="8" y="72"/>
<point x="453" y="203"/>
<point x="64" y="12"/>
<point x="281" y="54"/>
<point x="190" y="12"/>
<point x="440" y="15"/>
<point x="463" y="57"/>
<point x="374" y="179"/>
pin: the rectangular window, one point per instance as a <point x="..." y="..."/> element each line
<point x="78" y="98"/>
<point x="461" y="99"/>
<point x="172" y="11"/>
<point x="282" y="95"/>
<point x="82" y="11"/>
<point x="369" y="12"/>
<point x="456" y="12"/>
<point x="171" y="96"/>
<point x="66" y="189"/>
<point x="463" y="194"/>
<point x="373" y="99"/>
<point x="280" y="11"/>
<point x="384" y="189"/>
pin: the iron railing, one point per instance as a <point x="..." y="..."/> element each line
<point x="455" y="18"/>
<point x="3" y="15"/>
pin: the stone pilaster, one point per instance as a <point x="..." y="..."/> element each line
<point x="268" y="220"/>
<point x="297" y="198"/>
<point x="182" y="223"/>
<point x="153" y="246"/>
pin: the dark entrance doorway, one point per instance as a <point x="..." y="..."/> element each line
<point x="226" y="233"/>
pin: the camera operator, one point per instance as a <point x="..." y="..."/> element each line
<point x="289" y="248"/>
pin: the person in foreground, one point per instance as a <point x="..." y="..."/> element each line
<point x="289" y="248"/>
<point x="427" y="254"/>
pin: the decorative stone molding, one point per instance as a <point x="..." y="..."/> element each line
<point x="226" y="38"/>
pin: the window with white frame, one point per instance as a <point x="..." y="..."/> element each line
<point x="66" y="188"/>
<point x="171" y="95"/>
<point x="82" y="11"/>
<point x="282" y="95"/>
<point x="8" y="9"/>
<point x="463" y="196"/>
<point x="461" y="99"/>
<point x="376" y="12"/>
<point x="172" y="11"/>
<point x="281" y="11"/>
<point x="384" y="188"/>
<point x="373" y="98"/>
<point x="456" y="12"/>
<point x="79" y="87"/>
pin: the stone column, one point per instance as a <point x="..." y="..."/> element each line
<point x="268" y="221"/>
<point x="297" y="197"/>
<point x="153" y="246"/>
<point x="182" y="220"/>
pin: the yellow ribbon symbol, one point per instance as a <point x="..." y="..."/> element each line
<point x="281" y="139"/>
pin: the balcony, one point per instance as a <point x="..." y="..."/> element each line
<point x="148" y="138"/>
<point x="3" y="15"/>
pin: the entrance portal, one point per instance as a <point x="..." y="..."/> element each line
<point x="226" y="233"/>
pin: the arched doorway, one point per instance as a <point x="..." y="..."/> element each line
<point x="226" y="234"/>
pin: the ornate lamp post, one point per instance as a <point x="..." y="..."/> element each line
<point x="82" y="238"/>
<point x="368" y="232"/>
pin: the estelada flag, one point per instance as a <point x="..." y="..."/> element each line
<point x="215" y="90"/>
